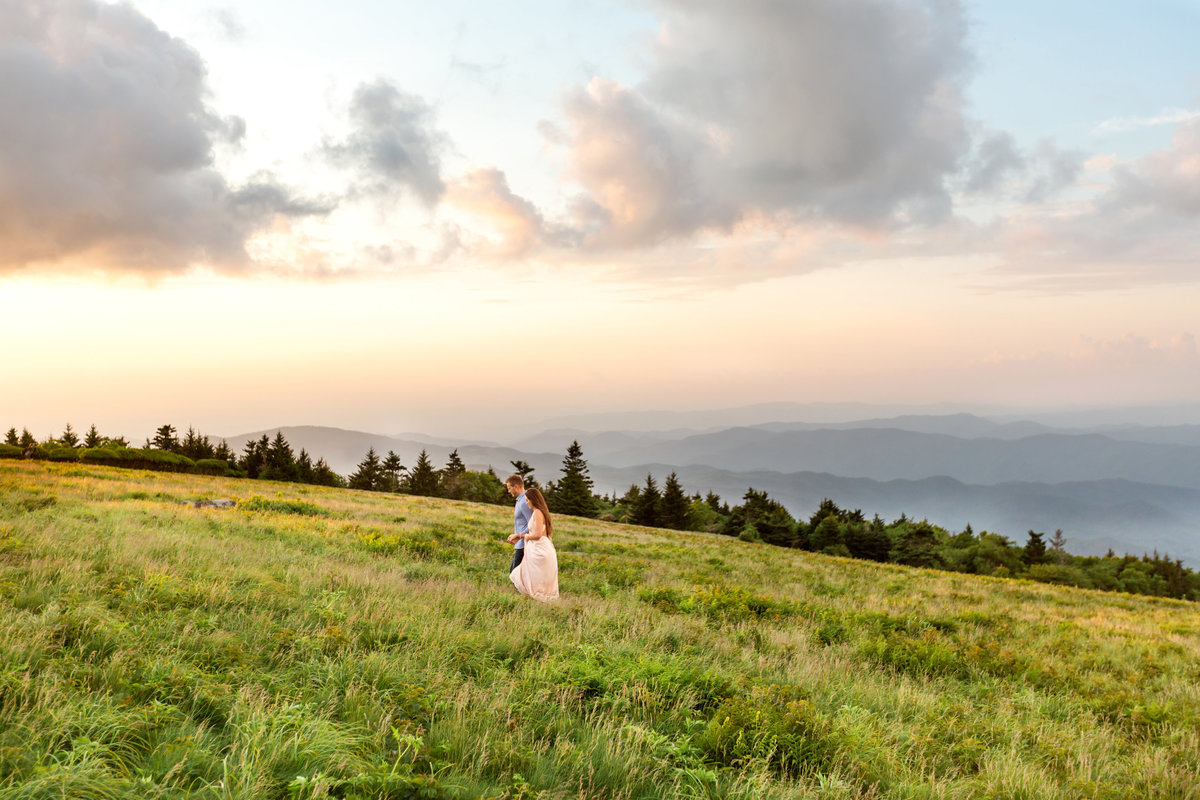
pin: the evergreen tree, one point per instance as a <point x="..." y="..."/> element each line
<point x="573" y="494"/>
<point x="523" y="469"/>
<point x="11" y="438"/>
<point x="323" y="475"/>
<point x="867" y="540"/>
<point x="451" y="481"/>
<point x="164" y="439"/>
<point x="772" y="521"/>
<point x="391" y="471"/>
<point x="627" y="503"/>
<point x="454" y="466"/>
<point x="714" y="502"/>
<point x="69" y="438"/>
<point x="27" y="441"/>
<point x="190" y="444"/>
<point x="254" y="457"/>
<point x="93" y="438"/>
<point x="423" y="479"/>
<point x="280" y="460"/>
<point x="1034" y="551"/>
<point x="304" y="467"/>
<point x="826" y="536"/>
<point x="915" y="546"/>
<point x="1058" y="544"/>
<point x="827" y="508"/>
<point x="675" y="509"/>
<point x="223" y="452"/>
<point x="369" y="475"/>
<point x="646" y="509"/>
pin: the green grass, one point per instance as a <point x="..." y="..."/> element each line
<point x="315" y="642"/>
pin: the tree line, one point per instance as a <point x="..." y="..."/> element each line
<point x="265" y="458"/>
<point x="830" y="529"/>
<point x="833" y="530"/>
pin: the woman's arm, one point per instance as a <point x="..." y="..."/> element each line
<point x="537" y="526"/>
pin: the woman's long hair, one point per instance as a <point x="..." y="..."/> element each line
<point x="535" y="500"/>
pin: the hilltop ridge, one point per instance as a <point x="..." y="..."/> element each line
<point x="314" y="641"/>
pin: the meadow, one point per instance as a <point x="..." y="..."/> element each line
<point x="313" y="642"/>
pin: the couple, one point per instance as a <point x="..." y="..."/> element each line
<point x="534" y="569"/>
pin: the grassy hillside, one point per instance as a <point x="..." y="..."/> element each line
<point x="330" y="643"/>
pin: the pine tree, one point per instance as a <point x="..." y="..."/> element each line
<point x="323" y="475"/>
<point x="391" y="471"/>
<point x="223" y="452"/>
<point x="280" y="460"/>
<point x="11" y="437"/>
<point x="27" y="441"/>
<point x="423" y="479"/>
<point x="769" y="517"/>
<point x="627" y="503"/>
<point x="369" y="475"/>
<point x="1058" y="543"/>
<point x="164" y="439"/>
<point x="573" y="493"/>
<point x="304" y="467"/>
<point x="523" y="469"/>
<point x="69" y="438"/>
<point x="646" y="508"/>
<point x="93" y="438"/>
<point x="675" y="508"/>
<point x="915" y="546"/>
<point x="455" y="465"/>
<point x="190" y="444"/>
<point x="1035" y="549"/>
<point x="254" y="457"/>
<point x="451" y="483"/>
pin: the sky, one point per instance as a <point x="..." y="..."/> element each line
<point x="391" y="216"/>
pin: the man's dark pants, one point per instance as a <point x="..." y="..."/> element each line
<point x="517" y="556"/>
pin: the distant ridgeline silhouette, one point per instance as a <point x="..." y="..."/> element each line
<point x="830" y="529"/>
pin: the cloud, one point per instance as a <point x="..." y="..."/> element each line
<point x="106" y="148"/>
<point x="998" y="167"/>
<point x="1165" y="181"/>
<point x="849" y="112"/>
<point x="997" y="157"/>
<point x="485" y="193"/>
<point x="1144" y="227"/>
<point x="394" y="147"/>
<point x="229" y="23"/>
<point x="1168" y="116"/>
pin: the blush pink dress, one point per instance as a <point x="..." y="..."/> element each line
<point x="537" y="574"/>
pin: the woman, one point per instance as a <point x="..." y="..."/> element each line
<point x="537" y="574"/>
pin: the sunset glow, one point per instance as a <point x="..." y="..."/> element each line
<point x="416" y="219"/>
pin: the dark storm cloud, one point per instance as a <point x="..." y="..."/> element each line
<point x="394" y="146"/>
<point x="106" y="147"/>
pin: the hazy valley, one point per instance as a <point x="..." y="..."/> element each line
<point x="1127" y="487"/>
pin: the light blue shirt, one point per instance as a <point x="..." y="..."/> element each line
<point x="521" y="515"/>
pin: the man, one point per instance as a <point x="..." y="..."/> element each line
<point x="521" y="514"/>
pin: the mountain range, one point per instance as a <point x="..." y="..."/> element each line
<point x="1130" y="488"/>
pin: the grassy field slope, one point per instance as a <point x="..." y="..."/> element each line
<point x="329" y="643"/>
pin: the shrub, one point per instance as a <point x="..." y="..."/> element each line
<point x="9" y="451"/>
<point x="775" y="725"/>
<point x="728" y="603"/>
<point x="56" y="452"/>
<point x="132" y="458"/>
<point x="750" y="533"/>
<point x="212" y="466"/>
<point x="1060" y="574"/>
<point x="301" y="507"/>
